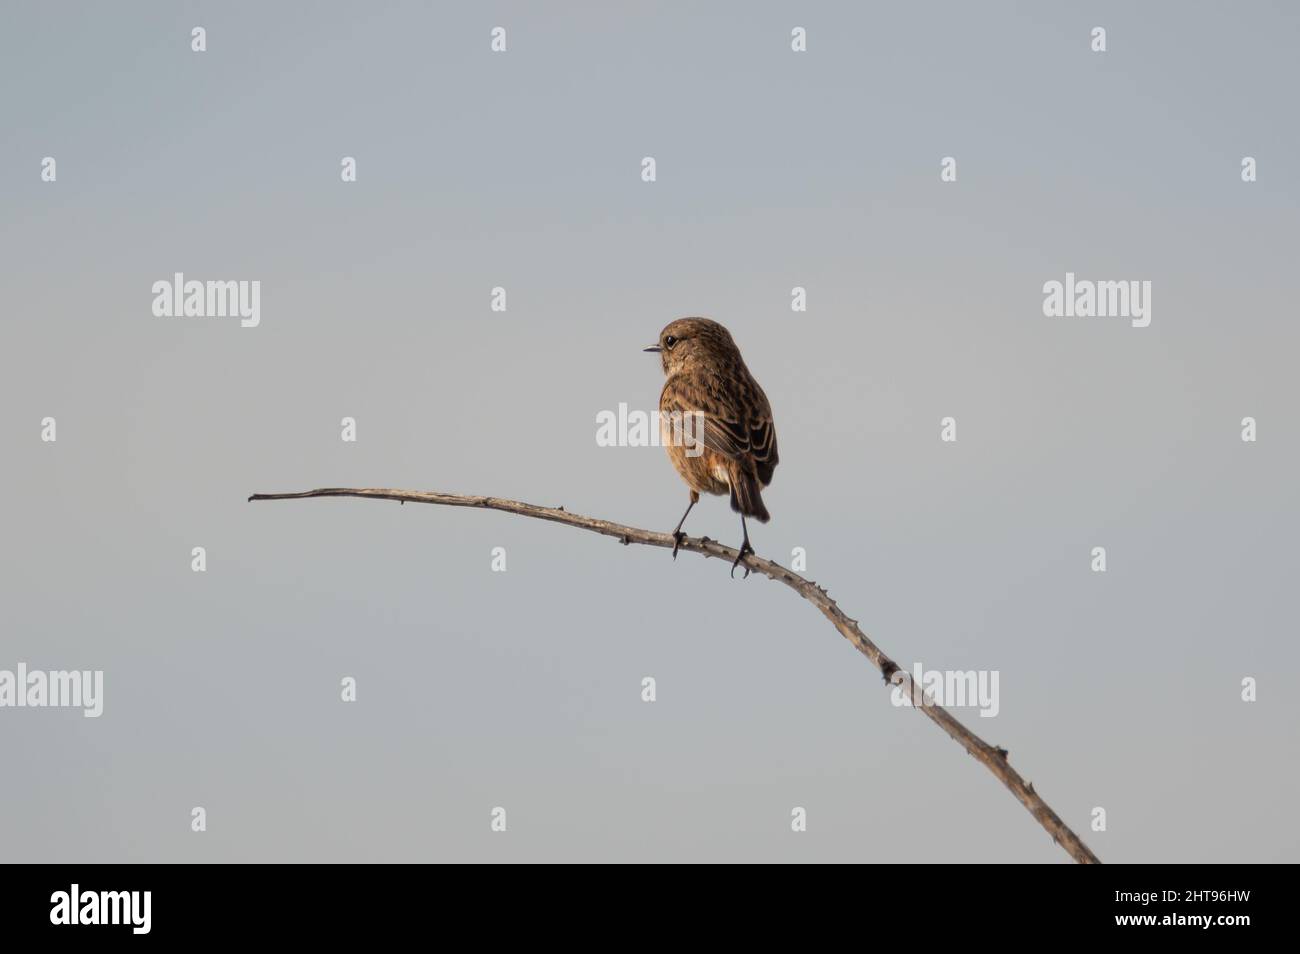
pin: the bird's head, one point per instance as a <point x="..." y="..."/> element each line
<point x="687" y="340"/>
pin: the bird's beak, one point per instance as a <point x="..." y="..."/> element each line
<point x="655" y="349"/>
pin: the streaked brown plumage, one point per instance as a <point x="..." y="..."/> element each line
<point x="707" y="376"/>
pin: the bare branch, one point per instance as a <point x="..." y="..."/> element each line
<point x="995" y="759"/>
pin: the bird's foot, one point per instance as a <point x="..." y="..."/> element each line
<point x="745" y="549"/>
<point x="678" y="537"/>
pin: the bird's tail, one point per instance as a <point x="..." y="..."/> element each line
<point x="746" y="495"/>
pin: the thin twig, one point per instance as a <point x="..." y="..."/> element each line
<point x="995" y="759"/>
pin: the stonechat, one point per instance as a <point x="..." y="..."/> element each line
<point x="731" y="446"/>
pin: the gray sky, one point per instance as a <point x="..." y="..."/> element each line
<point x="775" y="169"/>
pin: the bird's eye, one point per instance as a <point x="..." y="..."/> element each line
<point x="669" y="342"/>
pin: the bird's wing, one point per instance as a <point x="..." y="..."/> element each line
<point x="762" y="442"/>
<point x="737" y="418"/>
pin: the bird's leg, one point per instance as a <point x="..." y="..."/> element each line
<point x="744" y="548"/>
<point x="678" y="536"/>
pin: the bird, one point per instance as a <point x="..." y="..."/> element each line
<point x="715" y="422"/>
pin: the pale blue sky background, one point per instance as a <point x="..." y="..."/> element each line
<point x="775" y="169"/>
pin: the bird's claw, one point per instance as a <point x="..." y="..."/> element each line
<point x="745" y="549"/>
<point x="678" y="537"/>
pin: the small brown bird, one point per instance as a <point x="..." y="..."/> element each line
<point x="709" y="384"/>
